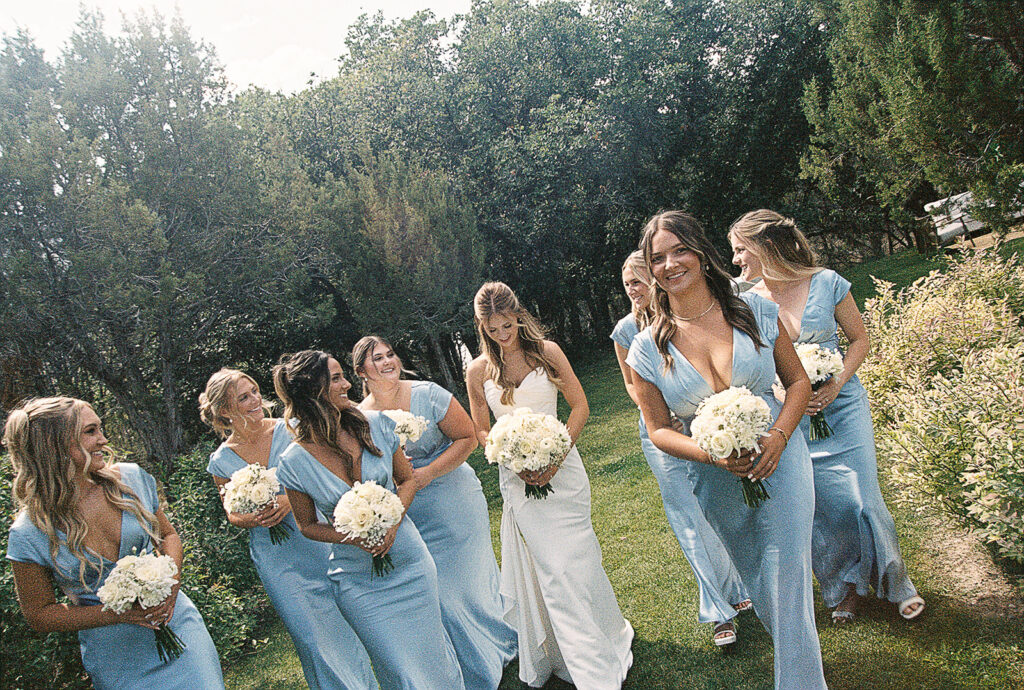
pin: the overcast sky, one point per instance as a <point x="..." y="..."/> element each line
<point x="271" y="43"/>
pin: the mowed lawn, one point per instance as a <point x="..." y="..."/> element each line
<point x="955" y="644"/>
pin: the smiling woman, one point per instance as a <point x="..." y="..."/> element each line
<point x="79" y="516"/>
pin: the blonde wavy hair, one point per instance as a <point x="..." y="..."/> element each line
<point x="636" y="264"/>
<point x="690" y="233"/>
<point x="496" y="298"/>
<point x="40" y="435"/>
<point x="218" y="398"/>
<point x="775" y="241"/>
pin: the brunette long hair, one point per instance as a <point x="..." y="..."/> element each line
<point x="302" y="381"/>
<point x="497" y="298"/>
<point x="689" y="231"/>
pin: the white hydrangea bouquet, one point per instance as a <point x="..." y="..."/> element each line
<point x="526" y="440"/>
<point x="146" y="579"/>
<point x="821" y="364"/>
<point x="732" y="422"/>
<point x="408" y="426"/>
<point x="251" y="489"/>
<point x="367" y="511"/>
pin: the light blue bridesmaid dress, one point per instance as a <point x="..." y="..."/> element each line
<point x="295" y="579"/>
<point x="124" y="656"/>
<point x="451" y="516"/>
<point x="718" y="584"/>
<point x="397" y="616"/>
<point x="854" y="540"/>
<point x="771" y="544"/>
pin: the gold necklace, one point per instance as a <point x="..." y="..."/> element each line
<point x="694" y="318"/>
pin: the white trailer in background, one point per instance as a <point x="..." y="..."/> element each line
<point x="951" y="219"/>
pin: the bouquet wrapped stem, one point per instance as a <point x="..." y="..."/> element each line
<point x="168" y="645"/>
<point x="280" y="532"/>
<point x="382" y="565"/>
<point x="819" y="427"/>
<point x="542" y="491"/>
<point x="754" y="492"/>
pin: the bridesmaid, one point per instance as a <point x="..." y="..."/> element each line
<point x="397" y="616"/>
<point x="78" y="516"/>
<point x="560" y="600"/>
<point x="292" y="571"/>
<point x="704" y="339"/>
<point x="721" y="592"/>
<point x="854" y="544"/>
<point x="450" y="511"/>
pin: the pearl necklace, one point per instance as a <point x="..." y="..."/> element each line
<point x="694" y="318"/>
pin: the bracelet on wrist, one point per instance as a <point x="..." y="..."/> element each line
<point x="781" y="431"/>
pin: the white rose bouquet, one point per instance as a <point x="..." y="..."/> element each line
<point x="408" y="426"/>
<point x="821" y="364"/>
<point x="146" y="579"/>
<point x="731" y="422"/>
<point x="525" y="440"/>
<point x="251" y="489"/>
<point x="367" y="511"/>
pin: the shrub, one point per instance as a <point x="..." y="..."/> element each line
<point x="946" y="380"/>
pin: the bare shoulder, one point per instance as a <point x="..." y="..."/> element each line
<point x="477" y="367"/>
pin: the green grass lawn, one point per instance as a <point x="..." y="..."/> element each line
<point x="954" y="645"/>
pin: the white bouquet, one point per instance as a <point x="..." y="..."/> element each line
<point x="367" y="511"/>
<point x="821" y="364"/>
<point x="732" y="422"/>
<point x="251" y="489"/>
<point x="525" y="440"/>
<point x="147" y="580"/>
<point x="408" y="426"/>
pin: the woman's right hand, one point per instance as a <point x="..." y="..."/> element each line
<point x="538" y="477"/>
<point x="247" y="520"/>
<point x="738" y="464"/>
<point x="137" y="615"/>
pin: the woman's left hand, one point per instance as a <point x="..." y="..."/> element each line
<point x="386" y="543"/>
<point x="275" y="512"/>
<point x="163" y="612"/>
<point x="767" y="461"/>
<point x="538" y="477"/>
<point x="422" y="477"/>
<point x="823" y="397"/>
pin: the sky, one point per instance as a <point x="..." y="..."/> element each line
<point x="274" y="44"/>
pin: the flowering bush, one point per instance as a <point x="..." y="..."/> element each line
<point x="946" y="381"/>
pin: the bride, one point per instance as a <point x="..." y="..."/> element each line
<point x="558" y="597"/>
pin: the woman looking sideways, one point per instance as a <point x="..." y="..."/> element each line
<point x="294" y="571"/>
<point x="721" y="593"/>
<point x="854" y="544"/>
<point x="397" y="616"/>
<point x="78" y="516"/>
<point x="561" y="602"/>
<point x="704" y="340"/>
<point x="450" y="511"/>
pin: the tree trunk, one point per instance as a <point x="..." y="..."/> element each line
<point x="446" y="372"/>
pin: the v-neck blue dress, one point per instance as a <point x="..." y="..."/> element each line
<point x="124" y="656"/>
<point x="451" y="516"/>
<point x="854" y="541"/>
<point x="718" y="584"/>
<point x="396" y="616"/>
<point x="771" y="544"/>
<point x="294" y="576"/>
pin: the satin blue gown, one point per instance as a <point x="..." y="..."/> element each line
<point x="718" y="584"/>
<point x="124" y="656"/>
<point x="397" y="616"/>
<point x="771" y="544"/>
<point x="854" y="539"/>
<point x="451" y="516"/>
<point x="294" y="577"/>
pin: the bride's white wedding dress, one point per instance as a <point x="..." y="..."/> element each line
<point x="558" y="597"/>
